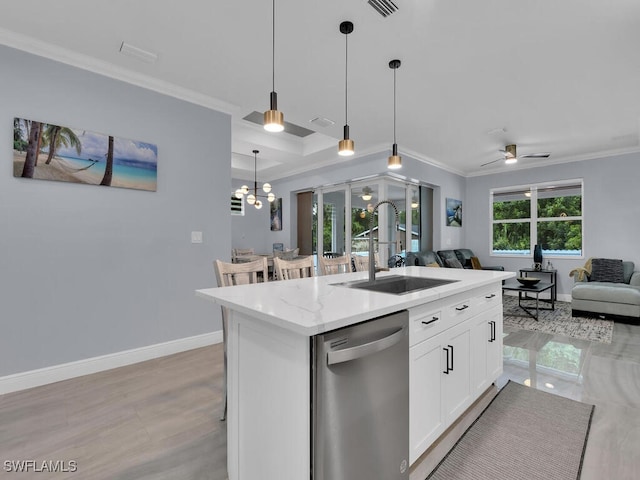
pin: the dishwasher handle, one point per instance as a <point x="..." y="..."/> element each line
<point x="359" y="351"/>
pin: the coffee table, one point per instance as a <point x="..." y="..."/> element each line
<point x="524" y="293"/>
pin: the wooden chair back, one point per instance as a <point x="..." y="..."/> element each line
<point x="241" y="252"/>
<point x="331" y="266"/>
<point x="228" y="274"/>
<point x="290" y="269"/>
<point x="361" y="262"/>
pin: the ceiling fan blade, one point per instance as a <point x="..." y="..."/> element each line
<point x="493" y="161"/>
<point x="536" y="155"/>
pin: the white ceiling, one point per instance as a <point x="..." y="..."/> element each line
<point x="547" y="75"/>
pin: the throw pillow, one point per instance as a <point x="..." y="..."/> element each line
<point x="475" y="263"/>
<point x="434" y="265"/>
<point x="606" y="270"/>
<point x="453" y="263"/>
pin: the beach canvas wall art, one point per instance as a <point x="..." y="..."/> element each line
<point x="454" y="212"/>
<point x="52" y="152"/>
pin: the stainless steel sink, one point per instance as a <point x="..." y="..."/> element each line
<point x="397" y="284"/>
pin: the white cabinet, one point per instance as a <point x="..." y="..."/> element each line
<point x="455" y="355"/>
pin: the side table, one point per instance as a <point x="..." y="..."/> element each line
<point x="525" y="272"/>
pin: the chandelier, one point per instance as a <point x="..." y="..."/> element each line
<point x="253" y="198"/>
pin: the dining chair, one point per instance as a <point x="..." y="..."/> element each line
<point x="227" y="275"/>
<point x="331" y="266"/>
<point x="240" y="252"/>
<point x="290" y="269"/>
<point x="361" y="262"/>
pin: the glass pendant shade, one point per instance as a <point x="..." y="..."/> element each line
<point x="239" y="193"/>
<point x="274" y="119"/>
<point x="266" y="187"/>
<point x="251" y="199"/>
<point x="346" y="146"/>
<point x="395" y="160"/>
<point x="258" y="204"/>
<point x="271" y="197"/>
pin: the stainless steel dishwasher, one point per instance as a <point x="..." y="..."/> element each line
<point x="360" y="409"/>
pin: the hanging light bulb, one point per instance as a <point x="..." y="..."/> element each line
<point x="251" y="199"/>
<point x="266" y="188"/>
<point x="395" y="160"/>
<point x="271" y="197"/>
<point x="258" y="204"/>
<point x="273" y="119"/>
<point x="346" y="146"/>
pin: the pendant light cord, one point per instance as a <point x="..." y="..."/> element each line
<point x="255" y="174"/>
<point x="346" y="76"/>
<point x="394" y="105"/>
<point x="273" y="46"/>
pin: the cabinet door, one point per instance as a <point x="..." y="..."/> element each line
<point x="426" y="414"/>
<point x="486" y="349"/>
<point x="494" y="349"/>
<point x="456" y="347"/>
<point x="481" y="335"/>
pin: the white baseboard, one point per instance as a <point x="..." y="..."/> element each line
<point x="65" y="371"/>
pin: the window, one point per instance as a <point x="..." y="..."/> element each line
<point x="237" y="206"/>
<point x="546" y="214"/>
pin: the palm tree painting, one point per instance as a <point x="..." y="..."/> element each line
<point x="53" y="152"/>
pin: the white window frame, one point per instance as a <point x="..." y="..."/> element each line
<point x="533" y="217"/>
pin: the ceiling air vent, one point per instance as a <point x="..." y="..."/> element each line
<point x="383" y="7"/>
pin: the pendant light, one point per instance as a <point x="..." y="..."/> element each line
<point x="346" y="145"/>
<point x="395" y="160"/>
<point x="273" y="119"/>
<point x="253" y="198"/>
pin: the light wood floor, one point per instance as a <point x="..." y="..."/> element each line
<point x="153" y="420"/>
<point x="159" y="419"/>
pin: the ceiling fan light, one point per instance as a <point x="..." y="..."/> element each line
<point x="414" y="203"/>
<point x="366" y="197"/>
<point x="510" y="160"/>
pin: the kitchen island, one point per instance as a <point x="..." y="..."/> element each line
<point x="269" y="357"/>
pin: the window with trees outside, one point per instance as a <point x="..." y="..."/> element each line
<point x="548" y="214"/>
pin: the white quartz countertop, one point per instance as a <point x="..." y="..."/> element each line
<point x="310" y="306"/>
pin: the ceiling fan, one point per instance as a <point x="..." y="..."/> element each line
<point x="510" y="156"/>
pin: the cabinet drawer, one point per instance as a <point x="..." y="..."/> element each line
<point x="486" y="298"/>
<point x="426" y="321"/>
<point x="458" y="309"/>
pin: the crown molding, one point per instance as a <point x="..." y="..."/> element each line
<point x="84" y="62"/>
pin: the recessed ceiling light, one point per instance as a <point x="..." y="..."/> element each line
<point x="495" y="131"/>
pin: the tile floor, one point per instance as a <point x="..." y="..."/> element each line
<point x="605" y="375"/>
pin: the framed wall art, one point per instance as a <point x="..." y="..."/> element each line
<point x="53" y="152"/>
<point x="453" y="212"/>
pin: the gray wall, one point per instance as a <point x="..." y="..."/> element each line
<point x="253" y="230"/>
<point x="610" y="211"/>
<point x="88" y="270"/>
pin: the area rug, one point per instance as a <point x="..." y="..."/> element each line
<point x="524" y="434"/>
<point x="557" y="322"/>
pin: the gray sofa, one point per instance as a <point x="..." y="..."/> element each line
<point x="445" y="258"/>
<point x="617" y="300"/>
